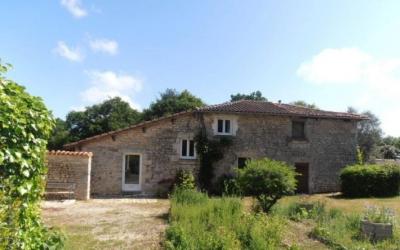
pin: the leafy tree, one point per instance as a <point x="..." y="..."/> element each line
<point x="59" y="136"/>
<point x="25" y="126"/>
<point x="170" y="102"/>
<point x="256" y="96"/>
<point x="392" y="141"/>
<point x="389" y="152"/>
<point x="304" y="104"/>
<point x="107" y="116"/>
<point x="267" y="180"/>
<point x="369" y="133"/>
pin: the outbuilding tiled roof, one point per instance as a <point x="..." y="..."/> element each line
<point x="263" y="107"/>
<point x="72" y="153"/>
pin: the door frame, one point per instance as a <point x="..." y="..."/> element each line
<point x="132" y="187"/>
<point x="308" y="173"/>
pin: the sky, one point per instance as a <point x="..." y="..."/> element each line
<point x="75" y="53"/>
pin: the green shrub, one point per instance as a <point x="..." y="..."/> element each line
<point x="227" y="185"/>
<point x="200" y="222"/>
<point x="185" y="179"/>
<point x="370" y="180"/>
<point x="25" y="126"/>
<point x="267" y="180"/>
<point x="306" y="210"/>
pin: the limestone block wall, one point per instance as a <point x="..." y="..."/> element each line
<point x="329" y="146"/>
<point x="71" y="167"/>
<point x="158" y="144"/>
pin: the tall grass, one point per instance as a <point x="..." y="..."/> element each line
<point x="334" y="228"/>
<point x="200" y="222"/>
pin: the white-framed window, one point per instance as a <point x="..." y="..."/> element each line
<point x="224" y="127"/>
<point x="188" y="150"/>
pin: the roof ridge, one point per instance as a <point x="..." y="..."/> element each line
<point x="69" y="153"/>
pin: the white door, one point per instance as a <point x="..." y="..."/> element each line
<point x="131" y="172"/>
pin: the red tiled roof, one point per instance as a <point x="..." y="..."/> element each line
<point x="141" y="124"/>
<point x="263" y="107"/>
<point x="245" y="107"/>
<point x="73" y="153"/>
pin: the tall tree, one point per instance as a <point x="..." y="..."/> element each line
<point x="256" y="96"/>
<point x="107" y="116"/>
<point x="304" y="104"/>
<point x="59" y="136"/>
<point x="170" y="102"/>
<point x="369" y="133"/>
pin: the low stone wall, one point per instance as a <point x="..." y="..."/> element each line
<point x="67" y="167"/>
<point x="386" y="161"/>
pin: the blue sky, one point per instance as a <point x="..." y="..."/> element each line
<point x="333" y="53"/>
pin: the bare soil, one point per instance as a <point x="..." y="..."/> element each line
<point x="109" y="223"/>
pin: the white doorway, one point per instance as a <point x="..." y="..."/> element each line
<point x="131" y="172"/>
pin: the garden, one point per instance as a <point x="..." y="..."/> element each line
<point x="256" y="211"/>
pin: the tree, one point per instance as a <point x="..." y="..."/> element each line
<point x="389" y="152"/>
<point x="267" y="180"/>
<point x="25" y="126"/>
<point x="369" y="133"/>
<point x="170" y="102"/>
<point x="256" y="96"/>
<point x="392" y="141"/>
<point x="107" y="116"/>
<point x="59" y="136"/>
<point x="304" y="104"/>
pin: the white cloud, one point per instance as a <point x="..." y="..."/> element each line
<point x="104" y="45"/>
<point x="377" y="80"/>
<point x="72" y="54"/>
<point x="74" y="7"/>
<point x="108" y="84"/>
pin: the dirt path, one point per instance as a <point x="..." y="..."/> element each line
<point x="297" y="234"/>
<point x="109" y="223"/>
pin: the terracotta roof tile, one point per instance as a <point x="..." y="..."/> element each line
<point x="262" y="107"/>
<point x="72" y="153"/>
<point x="245" y="107"/>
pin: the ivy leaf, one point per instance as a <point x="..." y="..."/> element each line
<point x="22" y="190"/>
<point x="25" y="173"/>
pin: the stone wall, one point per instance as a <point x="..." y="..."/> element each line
<point x="67" y="167"/>
<point x="158" y="144"/>
<point x="330" y="145"/>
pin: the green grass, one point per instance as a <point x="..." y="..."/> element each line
<point x="200" y="222"/>
<point x="335" y="223"/>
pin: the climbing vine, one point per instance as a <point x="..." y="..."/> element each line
<point x="209" y="151"/>
<point x="25" y="126"/>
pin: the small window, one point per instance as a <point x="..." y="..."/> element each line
<point x="220" y="126"/>
<point x="242" y="162"/>
<point x="224" y="127"/>
<point x="298" y="130"/>
<point x="227" y="126"/>
<point x="188" y="149"/>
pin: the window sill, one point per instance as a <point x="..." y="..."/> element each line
<point x="187" y="158"/>
<point x="229" y="134"/>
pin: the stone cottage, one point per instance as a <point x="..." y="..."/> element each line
<point x="144" y="158"/>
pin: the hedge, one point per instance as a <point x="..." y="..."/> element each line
<point x="370" y="180"/>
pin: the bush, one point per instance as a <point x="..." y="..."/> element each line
<point x="370" y="180"/>
<point x="267" y="180"/>
<point x="228" y="185"/>
<point x="200" y="222"/>
<point x="25" y="126"/>
<point x="185" y="179"/>
<point x="306" y="210"/>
